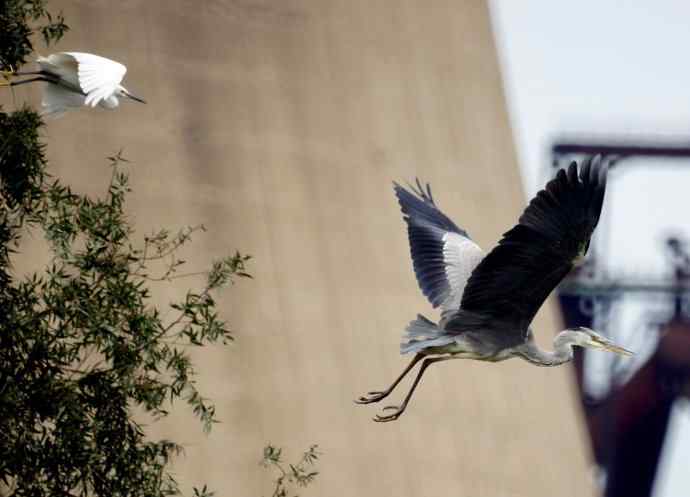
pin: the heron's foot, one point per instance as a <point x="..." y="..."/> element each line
<point x="390" y="417"/>
<point x="372" y="397"/>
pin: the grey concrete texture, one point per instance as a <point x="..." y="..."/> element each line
<point x="281" y="125"/>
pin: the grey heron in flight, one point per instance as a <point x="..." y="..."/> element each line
<point x="488" y="301"/>
<point x="76" y="79"/>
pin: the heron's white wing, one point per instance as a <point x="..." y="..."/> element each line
<point x="460" y="256"/>
<point x="443" y="255"/>
<point x="57" y="100"/>
<point x="98" y="77"/>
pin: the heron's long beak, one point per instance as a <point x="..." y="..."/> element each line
<point x="134" y="97"/>
<point x="617" y="350"/>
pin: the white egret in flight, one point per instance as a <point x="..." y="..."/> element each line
<point x="76" y="79"/>
<point x="489" y="301"/>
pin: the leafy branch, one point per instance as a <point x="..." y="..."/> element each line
<point x="20" y="19"/>
<point x="80" y="343"/>
<point x="289" y="476"/>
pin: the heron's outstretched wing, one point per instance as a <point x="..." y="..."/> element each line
<point x="98" y="77"/>
<point x="443" y="255"/>
<point x="514" y="279"/>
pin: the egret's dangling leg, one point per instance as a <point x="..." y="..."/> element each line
<point x="376" y="396"/>
<point x="23" y="81"/>
<point x="41" y="76"/>
<point x="12" y="72"/>
<point x="400" y="409"/>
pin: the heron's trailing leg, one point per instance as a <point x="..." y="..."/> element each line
<point x="376" y="396"/>
<point x="400" y="409"/>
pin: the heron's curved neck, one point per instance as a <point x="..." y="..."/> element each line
<point x="562" y="351"/>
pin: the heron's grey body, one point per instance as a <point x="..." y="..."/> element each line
<point x="424" y="336"/>
<point x="488" y="301"/>
<point x="494" y="344"/>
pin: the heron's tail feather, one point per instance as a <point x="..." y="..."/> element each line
<point x="423" y="333"/>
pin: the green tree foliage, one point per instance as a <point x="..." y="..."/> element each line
<point x="81" y="344"/>
<point x="290" y="476"/>
<point x="19" y="20"/>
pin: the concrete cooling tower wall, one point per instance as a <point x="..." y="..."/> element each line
<point x="280" y="125"/>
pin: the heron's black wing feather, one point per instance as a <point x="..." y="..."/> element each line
<point x="514" y="279"/>
<point x="419" y="207"/>
<point x="442" y="253"/>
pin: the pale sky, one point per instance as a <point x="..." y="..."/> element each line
<point x="609" y="68"/>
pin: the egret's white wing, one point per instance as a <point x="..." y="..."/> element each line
<point x="98" y="77"/>
<point x="62" y="65"/>
<point x="57" y="100"/>
<point x="443" y="255"/>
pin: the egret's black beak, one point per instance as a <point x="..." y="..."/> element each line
<point x="134" y="97"/>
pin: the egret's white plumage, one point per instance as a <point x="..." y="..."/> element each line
<point x="57" y="99"/>
<point x="79" y="79"/>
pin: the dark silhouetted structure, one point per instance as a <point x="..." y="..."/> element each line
<point x="628" y="425"/>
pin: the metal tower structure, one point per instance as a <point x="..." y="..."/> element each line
<point x="628" y="424"/>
